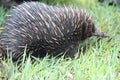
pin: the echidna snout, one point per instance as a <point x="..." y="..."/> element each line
<point x="100" y="34"/>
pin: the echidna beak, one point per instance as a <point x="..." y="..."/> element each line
<point x="100" y="34"/>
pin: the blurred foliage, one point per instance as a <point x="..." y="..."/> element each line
<point x="57" y="2"/>
<point x="3" y="13"/>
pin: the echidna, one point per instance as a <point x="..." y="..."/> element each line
<point x="45" y="30"/>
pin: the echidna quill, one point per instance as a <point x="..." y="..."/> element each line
<point x="45" y="30"/>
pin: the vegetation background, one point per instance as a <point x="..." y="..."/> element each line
<point x="101" y="60"/>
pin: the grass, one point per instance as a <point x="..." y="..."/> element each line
<point x="2" y="15"/>
<point x="101" y="60"/>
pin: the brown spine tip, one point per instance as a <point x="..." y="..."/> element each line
<point x="100" y="34"/>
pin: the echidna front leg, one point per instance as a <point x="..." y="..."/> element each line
<point x="71" y="51"/>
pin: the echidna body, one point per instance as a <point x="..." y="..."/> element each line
<point x="45" y="30"/>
